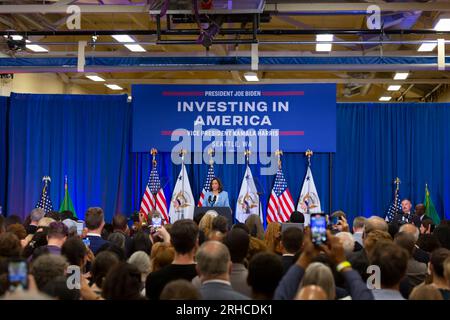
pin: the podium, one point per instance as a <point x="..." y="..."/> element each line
<point x="221" y="211"/>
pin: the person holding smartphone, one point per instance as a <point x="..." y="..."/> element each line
<point x="332" y="247"/>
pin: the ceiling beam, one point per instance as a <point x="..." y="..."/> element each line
<point x="352" y="7"/>
<point x="265" y="80"/>
<point x="45" y="8"/>
<point x="343" y="7"/>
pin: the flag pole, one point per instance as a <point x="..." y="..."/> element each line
<point x="154" y="152"/>
<point x="397" y="189"/>
<point x="308" y="154"/>
<point x="182" y="153"/>
<point x="278" y="153"/>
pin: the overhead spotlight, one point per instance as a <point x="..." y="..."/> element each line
<point x="385" y="98"/>
<point x="206" y="4"/>
<point x="207" y="36"/>
<point x="16" y="43"/>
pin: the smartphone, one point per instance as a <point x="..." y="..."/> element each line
<point x="318" y="229"/>
<point x="156" y="222"/>
<point x="87" y="242"/>
<point x="18" y="274"/>
<point x="80" y="227"/>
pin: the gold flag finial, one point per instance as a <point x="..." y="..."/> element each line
<point x="154" y="152"/>
<point x="182" y="153"/>
<point x="397" y="183"/>
<point x="309" y="154"/>
<point x="279" y="153"/>
<point x="247" y="154"/>
<point x="211" y="153"/>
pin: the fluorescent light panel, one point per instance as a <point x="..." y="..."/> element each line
<point x="123" y="38"/>
<point x="251" y="77"/>
<point x="135" y="47"/>
<point x="322" y="47"/>
<point x="95" y="78"/>
<point x="394" y="87"/>
<point x="427" y="47"/>
<point x="36" y="48"/>
<point x="385" y="98"/>
<point x="443" y="25"/>
<point x="114" y="87"/>
<point x="401" y="76"/>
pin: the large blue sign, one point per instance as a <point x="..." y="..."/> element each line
<point x="231" y="118"/>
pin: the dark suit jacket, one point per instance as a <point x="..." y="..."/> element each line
<point x="220" y="291"/>
<point x="96" y="242"/>
<point x="413" y="218"/>
<point x="421" y="255"/>
<point x="287" y="261"/>
<point x="360" y="262"/>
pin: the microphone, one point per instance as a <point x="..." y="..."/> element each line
<point x="212" y="200"/>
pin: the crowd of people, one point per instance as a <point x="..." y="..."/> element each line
<point x="207" y="259"/>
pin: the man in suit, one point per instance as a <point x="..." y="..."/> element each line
<point x="95" y="221"/>
<point x="214" y="268"/>
<point x="407" y="215"/>
<point x="419" y="254"/>
<point x="416" y="271"/>
<point x="420" y="211"/>
<point x="291" y="242"/>
<point x="35" y="216"/>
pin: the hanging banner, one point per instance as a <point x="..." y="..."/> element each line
<point x="232" y="118"/>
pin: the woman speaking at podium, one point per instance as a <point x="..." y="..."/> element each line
<point x="215" y="197"/>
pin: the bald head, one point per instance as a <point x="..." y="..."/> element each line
<point x="311" y="292"/>
<point x="213" y="260"/>
<point x="375" y="223"/>
<point x="410" y="229"/>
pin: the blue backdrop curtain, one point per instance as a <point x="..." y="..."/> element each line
<point x="3" y="150"/>
<point x="377" y="142"/>
<point x="88" y="138"/>
<point x="81" y="136"/>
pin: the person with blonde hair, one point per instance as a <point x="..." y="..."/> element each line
<point x="162" y="255"/>
<point x="255" y="226"/>
<point x="272" y="237"/>
<point x="205" y="224"/>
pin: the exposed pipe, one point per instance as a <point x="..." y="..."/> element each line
<point x="243" y="41"/>
<point x="227" y="32"/>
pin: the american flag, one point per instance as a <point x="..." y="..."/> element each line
<point x="394" y="208"/>
<point x="44" y="202"/>
<point x="281" y="203"/>
<point x="209" y="178"/>
<point x="154" y="198"/>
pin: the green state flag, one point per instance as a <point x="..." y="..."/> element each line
<point x="67" y="204"/>
<point x="430" y="210"/>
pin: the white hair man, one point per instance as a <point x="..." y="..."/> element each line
<point x="35" y="216"/>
